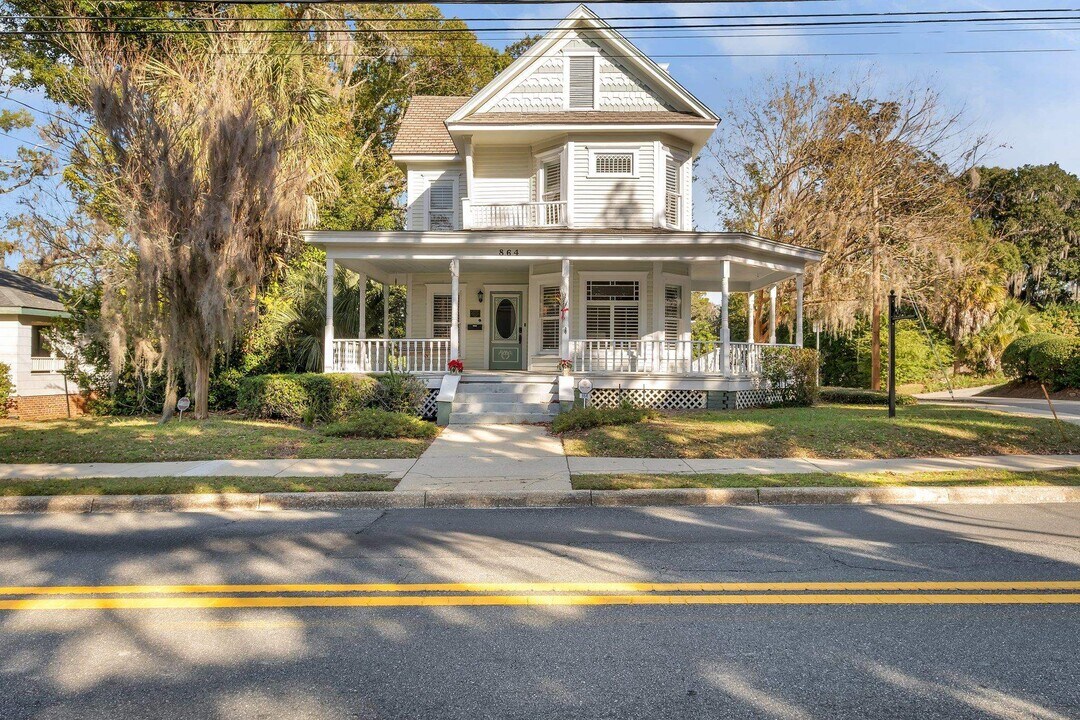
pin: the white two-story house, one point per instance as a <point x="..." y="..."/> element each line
<point x="550" y="218"/>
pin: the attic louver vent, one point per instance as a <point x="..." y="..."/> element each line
<point x="582" y="69"/>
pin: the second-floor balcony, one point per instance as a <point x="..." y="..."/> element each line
<point x="507" y="216"/>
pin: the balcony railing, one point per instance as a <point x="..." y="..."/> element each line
<point x="505" y="216"/>
<point x="46" y="364"/>
<point x="680" y="357"/>
<point x="377" y="355"/>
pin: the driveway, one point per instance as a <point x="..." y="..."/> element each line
<point x="1067" y="410"/>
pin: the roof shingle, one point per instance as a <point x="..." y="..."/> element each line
<point x="423" y="127"/>
<point x="19" y="291"/>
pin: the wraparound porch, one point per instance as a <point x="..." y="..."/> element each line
<point x="605" y="303"/>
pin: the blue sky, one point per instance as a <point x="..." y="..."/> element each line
<point x="1028" y="103"/>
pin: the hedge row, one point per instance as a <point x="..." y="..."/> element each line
<point x="860" y="396"/>
<point x="1050" y="359"/>
<point x="308" y="397"/>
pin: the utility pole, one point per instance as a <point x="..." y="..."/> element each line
<point x="892" y="353"/>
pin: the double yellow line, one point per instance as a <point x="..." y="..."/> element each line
<point x="162" y="597"/>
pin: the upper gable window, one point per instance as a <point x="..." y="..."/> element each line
<point x="582" y="81"/>
<point x="612" y="163"/>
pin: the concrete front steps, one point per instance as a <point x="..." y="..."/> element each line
<point x="505" y="399"/>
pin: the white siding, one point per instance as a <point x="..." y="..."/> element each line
<point x="418" y="180"/>
<point x="614" y="202"/>
<point x="502" y="174"/>
<point x="16" y="340"/>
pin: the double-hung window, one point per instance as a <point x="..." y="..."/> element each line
<point x="441" y="315"/>
<point x="612" y="309"/>
<point x="441" y="211"/>
<point x="550" y="316"/>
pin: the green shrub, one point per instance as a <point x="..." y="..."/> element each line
<point x="377" y="423"/>
<point x="860" y="396"/>
<point x="400" y="392"/>
<point x="792" y="372"/>
<point x="314" y="397"/>
<point x="585" y="418"/>
<point x="1015" y="358"/>
<point x="1056" y="362"/>
<point x="917" y="360"/>
<point x="7" y="389"/>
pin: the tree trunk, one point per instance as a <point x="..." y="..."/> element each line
<point x="201" y="402"/>
<point x="169" y="408"/>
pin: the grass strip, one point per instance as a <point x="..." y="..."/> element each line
<point x="957" y="478"/>
<point x="185" y="485"/>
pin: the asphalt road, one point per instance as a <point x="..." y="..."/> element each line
<point x="726" y="659"/>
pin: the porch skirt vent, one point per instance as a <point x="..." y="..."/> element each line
<point x="429" y="408"/>
<point x="758" y="397"/>
<point x="658" y="399"/>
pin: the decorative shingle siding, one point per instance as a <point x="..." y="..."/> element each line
<point x="540" y="90"/>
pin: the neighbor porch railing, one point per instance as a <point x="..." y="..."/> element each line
<point x="377" y="354"/>
<point x="503" y="216"/>
<point x="680" y="357"/>
<point x="46" y="364"/>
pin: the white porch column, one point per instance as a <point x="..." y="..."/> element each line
<point x="362" y="310"/>
<point x="455" y="324"/>
<point x="772" y="315"/>
<point x="466" y="196"/>
<point x="798" y="309"/>
<point x="750" y="328"/>
<point x="328" y="332"/>
<point x="386" y="310"/>
<point x="564" y="312"/>
<point x="725" y="330"/>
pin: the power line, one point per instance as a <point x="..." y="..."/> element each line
<point x="46" y="112"/>
<point x="455" y="30"/>
<point x="752" y="16"/>
<point x="692" y="56"/>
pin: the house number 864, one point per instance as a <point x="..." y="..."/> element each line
<point x="509" y="251"/>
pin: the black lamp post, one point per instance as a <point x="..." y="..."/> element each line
<point x="892" y="353"/>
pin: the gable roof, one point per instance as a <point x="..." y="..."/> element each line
<point x="584" y="19"/>
<point x="586" y="117"/>
<point x="18" y="292"/>
<point x="423" y="127"/>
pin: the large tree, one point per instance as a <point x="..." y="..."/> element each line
<point x="1036" y="208"/>
<point x="873" y="182"/>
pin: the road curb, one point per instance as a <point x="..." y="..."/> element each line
<point x="672" y="497"/>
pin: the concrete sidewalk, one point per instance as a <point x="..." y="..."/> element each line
<point x="1067" y="410"/>
<point x="509" y="458"/>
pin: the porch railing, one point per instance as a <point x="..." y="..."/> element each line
<point x="501" y="216"/>
<point x="46" y="364"/>
<point x="680" y="357"/>
<point x="376" y="355"/>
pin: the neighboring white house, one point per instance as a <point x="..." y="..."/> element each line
<point x="550" y="217"/>
<point x="27" y="308"/>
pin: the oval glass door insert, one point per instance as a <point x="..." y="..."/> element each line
<point x="505" y="319"/>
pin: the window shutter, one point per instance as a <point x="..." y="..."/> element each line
<point x="582" y="69"/>
<point x="550" y="315"/>
<point x="626" y="323"/>
<point x="441" y="205"/>
<point x="598" y="322"/>
<point x="552" y="181"/>
<point x="672" y="311"/>
<point x="441" y="315"/>
<point x="672" y="198"/>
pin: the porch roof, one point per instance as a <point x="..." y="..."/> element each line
<point x="756" y="262"/>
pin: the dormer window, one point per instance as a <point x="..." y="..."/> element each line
<point x="582" y="82"/>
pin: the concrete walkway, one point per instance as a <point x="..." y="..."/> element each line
<point x="501" y="458"/>
<point x="491" y="458"/>
<point x="1067" y="410"/>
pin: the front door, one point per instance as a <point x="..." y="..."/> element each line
<point x="505" y="352"/>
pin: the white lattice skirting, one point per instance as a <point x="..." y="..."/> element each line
<point x="756" y="398"/>
<point x="645" y="397"/>
<point x="429" y="408"/>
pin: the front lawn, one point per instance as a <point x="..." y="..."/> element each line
<point x="126" y="439"/>
<point x="176" y="485"/>
<point x="965" y="478"/>
<point x="828" y="431"/>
